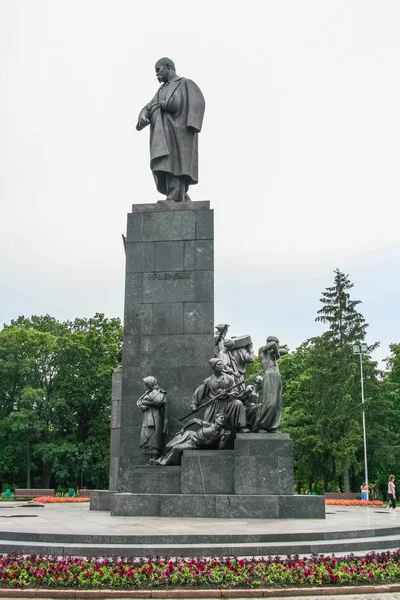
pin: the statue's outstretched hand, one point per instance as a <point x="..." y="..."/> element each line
<point x="142" y="123"/>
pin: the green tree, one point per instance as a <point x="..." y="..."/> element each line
<point x="346" y="325"/>
<point x="322" y="397"/>
<point x="55" y="398"/>
<point x="339" y="312"/>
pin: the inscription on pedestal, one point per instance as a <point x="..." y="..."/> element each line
<point x="168" y="276"/>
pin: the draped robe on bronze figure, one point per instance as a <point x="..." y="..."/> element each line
<point x="174" y="131"/>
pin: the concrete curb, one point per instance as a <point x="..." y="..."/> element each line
<point x="190" y="593"/>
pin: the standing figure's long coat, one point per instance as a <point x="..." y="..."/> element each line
<point x="174" y="130"/>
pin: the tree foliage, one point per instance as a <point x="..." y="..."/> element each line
<point x="55" y="399"/>
<point x="322" y="397"/>
<point x="339" y="312"/>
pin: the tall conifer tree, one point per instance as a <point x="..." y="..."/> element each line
<point x="345" y="327"/>
<point x="339" y="312"/>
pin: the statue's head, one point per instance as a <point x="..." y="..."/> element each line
<point x="258" y="382"/>
<point x="272" y="338"/>
<point x="220" y="419"/>
<point x="165" y="69"/>
<point x="150" y="382"/>
<point x="216" y="364"/>
<point x="229" y="344"/>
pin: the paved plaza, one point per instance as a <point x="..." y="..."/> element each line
<point x="78" y="519"/>
<point x="75" y="529"/>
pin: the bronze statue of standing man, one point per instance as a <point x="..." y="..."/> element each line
<point x="175" y="116"/>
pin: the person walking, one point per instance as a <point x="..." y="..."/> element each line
<point x="392" y="492"/>
<point x="364" y="492"/>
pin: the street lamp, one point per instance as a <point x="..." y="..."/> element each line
<point x="363" y="349"/>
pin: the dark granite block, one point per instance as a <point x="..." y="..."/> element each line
<point x="196" y="506"/>
<point x="176" y="350"/>
<point x="131" y="505"/>
<point x="130" y="414"/>
<point x="169" y="256"/>
<point x="207" y="472"/>
<point x="199" y="255"/>
<point x="263" y="464"/>
<point x="138" y="319"/>
<point x="172" y="350"/>
<point x="168" y="286"/>
<point x="219" y="506"/>
<point x="114" y="469"/>
<point x="167" y="318"/>
<point x="131" y="350"/>
<point x="134" y="230"/>
<point x="247" y="507"/>
<point x="132" y="388"/>
<point x="140" y="257"/>
<point x="129" y="441"/>
<point x="271" y="444"/>
<point x="192" y="377"/>
<point x="198" y="317"/>
<point x="205" y="225"/>
<point x="117" y="383"/>
<point x="285" y="475"/>
<point x="169" y="226"/>
<point x="204" y="349"/>
<point x="256" y="475"/>
<point x="301" y="507"/>
<point x="115" y="437"/>
<point x="204" y="289"/>
<point x="156" y="480"/>
<point x="171" y="206"/>
<point x="100" y="499"/>
<point x="127" y="465"/>
<point x="133" y="289"/>
<point x="115" y="414"/>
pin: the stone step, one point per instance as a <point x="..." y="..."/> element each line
<point x="61" y="539"/>
<point x="343" y="546"/>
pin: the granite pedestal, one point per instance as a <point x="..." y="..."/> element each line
<point x="255" y="480"/>
<point x="168" y="323"/>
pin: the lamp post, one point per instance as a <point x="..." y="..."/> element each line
<point x="363" y="349"/>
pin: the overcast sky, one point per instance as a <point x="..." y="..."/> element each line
<point x="299" y="153"/>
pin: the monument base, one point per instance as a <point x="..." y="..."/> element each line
<point x="222" y="506"/>
<point x="253" y="481"/>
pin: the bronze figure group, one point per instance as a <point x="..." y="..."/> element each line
<point x="229" y="405"/>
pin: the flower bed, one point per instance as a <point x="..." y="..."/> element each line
<point x="57" y="500"/>
<point x="354" y="502"/>
<point x="161" y="573"/>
